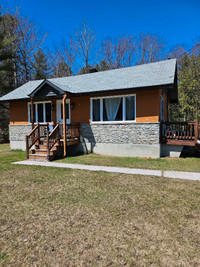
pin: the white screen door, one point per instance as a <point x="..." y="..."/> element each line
<point x="60" y="111"/>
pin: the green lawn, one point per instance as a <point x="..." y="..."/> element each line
<point x="176" y="164"/>
<point x="63" y="217"/>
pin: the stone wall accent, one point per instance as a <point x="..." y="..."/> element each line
<point x="19" y="132"/>
<point x="121" y="133"/>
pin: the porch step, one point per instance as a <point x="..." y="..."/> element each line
<point x="40" y="152"/>
<point x="43" y="151"/>
<point x="41" y="157"/>
<point x="44" y="145"/>
<point x="38" y="156"/>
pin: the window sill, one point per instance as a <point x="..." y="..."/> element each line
<point x="112" y="122"/>
<point x="41" y="123"/>
<point x="122" y="122"/>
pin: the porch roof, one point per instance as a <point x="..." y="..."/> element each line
<point x="136" y="77"/>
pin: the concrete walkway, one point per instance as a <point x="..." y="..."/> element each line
<point x="167" y="174"/>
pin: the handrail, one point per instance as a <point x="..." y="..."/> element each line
<point x="33" y="139"/>
<point x="54" y="130"/>
<point x="37" y="132"/>
<point x="33" y="130"/>
<point x="52" y="139"/>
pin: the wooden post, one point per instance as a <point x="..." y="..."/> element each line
<point x="48" y="150"/>
<point x="64" y="126"/>
<point x="38" y="141"/>
<point x="32" y="122"/>
<point x="27" y="150"/>
<point x="196" y="131"/>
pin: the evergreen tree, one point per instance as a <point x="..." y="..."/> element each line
<point x="6" y="56"/>
<point x="189" y="87"/>
<point x="6" y="72"/>
<point x="40" y="65"/>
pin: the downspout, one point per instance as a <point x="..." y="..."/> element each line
<point x="64" y="125"/>
<point x="32" y="122"/>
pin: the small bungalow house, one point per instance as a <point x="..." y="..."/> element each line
<point x="121" y="112"/>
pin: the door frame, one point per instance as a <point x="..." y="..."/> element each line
<point x="58" y="112"/>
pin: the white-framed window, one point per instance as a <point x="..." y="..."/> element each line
<point x="113" y="108"/>
<point x="41" y="112"/>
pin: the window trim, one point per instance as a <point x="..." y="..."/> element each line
<point x="101" y="109"/>
<point x="36" y="112"/>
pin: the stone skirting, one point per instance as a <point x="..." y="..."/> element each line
<point x="117" y="139"/>
<point x="121" y="133"/>
<point x="19" y="132"/>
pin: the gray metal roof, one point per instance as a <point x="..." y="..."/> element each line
<point x="152" y="74"/>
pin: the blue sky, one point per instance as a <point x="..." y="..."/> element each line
<point x="177" y="21"/>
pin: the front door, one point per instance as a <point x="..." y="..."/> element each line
<point x="59" y="105"/>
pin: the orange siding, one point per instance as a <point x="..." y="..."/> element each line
<point x="147" y="108"/>
<point x="81" y="111"/>
<point x="19" y="112"/>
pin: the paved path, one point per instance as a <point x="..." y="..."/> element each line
<point x="168" y="174"/>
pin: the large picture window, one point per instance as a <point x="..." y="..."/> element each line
<point x="116" y="108"/>
<point x="41" y="112"/>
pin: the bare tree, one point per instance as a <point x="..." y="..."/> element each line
<point x="28" y="41"/>
<point x="108" y="53"/>
<point x="150" y="48"/>
<point x="64" y="58"/>
<point x="177" y="52"/>
<point x="119" y="52"/>
<point x="85" y="38"/>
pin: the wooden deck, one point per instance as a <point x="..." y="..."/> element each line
<point x="180" y="133"/>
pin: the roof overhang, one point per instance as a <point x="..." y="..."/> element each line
<point x="168" y="87"/>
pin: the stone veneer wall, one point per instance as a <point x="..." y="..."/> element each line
<point x="17" y="136"/>
<point x="117" y="139"/>
<point x="19" y="132"/>
<point x="121" y="133"/>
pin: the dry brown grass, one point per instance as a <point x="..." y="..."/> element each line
<point x="57" y="217"/>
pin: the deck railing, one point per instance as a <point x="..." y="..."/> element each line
<point x="39" y="131"/>
<point x="72" y="131"/>
<point x="53" y="138"/>
<point x="31" y="139"/>
<point x="199" y="132"/>
<point x="179" y="133"/>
